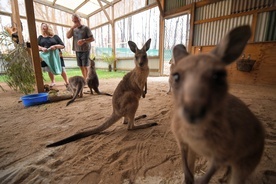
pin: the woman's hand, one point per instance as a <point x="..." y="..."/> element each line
<point x="43" y="49"/>
<point x="52" y="47"/>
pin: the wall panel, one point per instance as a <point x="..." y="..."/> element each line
<point x="263" y="72"/>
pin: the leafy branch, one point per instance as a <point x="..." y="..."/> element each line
<point x="18" y="66"/>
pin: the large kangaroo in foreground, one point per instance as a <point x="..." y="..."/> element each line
<point x="209" y="121"/>
<point x="125" y="100"/>
<point x="92" y="79"/>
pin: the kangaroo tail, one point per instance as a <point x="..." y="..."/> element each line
<point x="111" y="120"/>
<point x="75" y="95"/>
<point x="101" y="93"/>
<point x="68" y="103"/>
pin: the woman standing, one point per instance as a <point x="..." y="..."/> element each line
<point x="48" y="42"/>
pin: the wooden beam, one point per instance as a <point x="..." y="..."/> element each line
<point x="106" y="2"/>
<point x="124" y="16"/>
<point x="16" y="20"/>
<point x="161" y="9"/>
<point x="177" y="12"/>
<point x="191" y="35"/>
<point x="206" y="2"/>
<point x="97" y="11"/>
<point x="37" y="20"/>
<point x="104" y="10"/>
<point x="113" y="39"/>
<point x="253" y="27"/>
<point x="137" y="11"/>
<point x="58" y="7"/>
<point x="34" y="45"/>
<point x="161" y="44"/>
<point x="81" y="5"/>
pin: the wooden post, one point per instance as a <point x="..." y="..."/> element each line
<point x="113" y="40"/>
<point x="16" y="20"/>
<point x="34" y="45"/>
<point x="161" y="44"/>
<point x="191" y="35"/>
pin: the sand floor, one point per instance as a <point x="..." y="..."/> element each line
<point x="148" y="156"/>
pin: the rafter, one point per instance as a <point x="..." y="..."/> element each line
<point x="103" y="9"/>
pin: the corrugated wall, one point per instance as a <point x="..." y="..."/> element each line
<point x="172" y="4"/>
<point x="266" y="27"/>
<point x="214" y="10"/>
<point x="247" y="5"/>
<point x="211" y="32"/>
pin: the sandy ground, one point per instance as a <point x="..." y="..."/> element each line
<point x="148" y="156"/>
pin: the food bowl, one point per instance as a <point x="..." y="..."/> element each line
<point x="34" y="99"/>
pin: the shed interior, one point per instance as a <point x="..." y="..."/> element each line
<point x="198" y="24"/>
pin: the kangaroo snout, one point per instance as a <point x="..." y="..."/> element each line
<point x="194" y="114"/>
<point x="141" y="64"/>
<point x="194" y="98"/>
<point x="141" y="60"/>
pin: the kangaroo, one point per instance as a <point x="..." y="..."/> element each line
<point x="76" y="85"/>
<point x="92" y="79"/>
<point x="209" y="121"/>
<point x="172" y="63"/>
<point x="125" y="99"/>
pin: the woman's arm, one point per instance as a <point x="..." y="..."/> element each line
<point x="58" y="45"/>
<point x="41" y="48"/>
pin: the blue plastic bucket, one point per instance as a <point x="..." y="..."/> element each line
<point x="34" y="99"/>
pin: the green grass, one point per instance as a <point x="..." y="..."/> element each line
<point x="102" y="74"/>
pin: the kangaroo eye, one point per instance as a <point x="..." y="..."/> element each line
<point x="176" y="77"/>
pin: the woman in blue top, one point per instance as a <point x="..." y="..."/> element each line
<point x="49" y="41"/>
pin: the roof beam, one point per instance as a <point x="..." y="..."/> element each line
<point x="106" y="14"/>
<point x="160" y="6"/>
<point x="78" y="7"/>
<point x="107" y="2"/>
<point x="56" y="6"/>
<point x="54" y="2"/>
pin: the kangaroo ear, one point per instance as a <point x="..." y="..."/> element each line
<point x="179" y="52"/>
<point x="233" y="44"/>
<point x="147" y="45"/>
<point x="132" y="46"/>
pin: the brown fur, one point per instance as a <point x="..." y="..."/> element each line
<point x="125" y="100"/>
<point x="92" y="79"/>
<point x="207" y="119"/>
<point x="172" y="63"/>
<point x="76" y="85"/>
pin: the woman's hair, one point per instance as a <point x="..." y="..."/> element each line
<point x="50" y="30"/>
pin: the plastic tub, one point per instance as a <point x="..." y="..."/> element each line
<point x="34" y="99"/>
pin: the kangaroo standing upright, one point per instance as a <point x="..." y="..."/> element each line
<point x="92" y="79"/>
<point x="209" y="121"/>
<point x="125" y="100"/>
<point x="76" y="85"/>
<point x="170" y="77"/>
